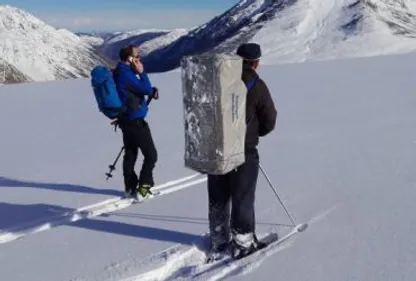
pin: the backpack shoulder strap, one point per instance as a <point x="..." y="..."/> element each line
<point x="250" y="84"/>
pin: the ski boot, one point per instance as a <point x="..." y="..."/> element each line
<point x="218" y="252"/>
<point x="131" y="194"/>
<point x="144" y="190"/>
<point x="240" y="251"/>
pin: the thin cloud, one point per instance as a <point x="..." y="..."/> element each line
<point x="128" y="20"/>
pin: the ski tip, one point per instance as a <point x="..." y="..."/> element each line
<point x="302" y="227"/>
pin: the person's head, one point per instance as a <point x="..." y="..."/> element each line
<point x="129" y="53"/>
<point x="135" y="51"/>
<point x="251" y="53"/>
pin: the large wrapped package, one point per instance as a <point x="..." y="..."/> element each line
<point x="214" y="102"/>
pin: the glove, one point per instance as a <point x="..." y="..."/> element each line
<point x="155" y="94"/>
<point x="115" y="123"/>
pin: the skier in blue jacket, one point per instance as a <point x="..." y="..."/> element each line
<point x="135" y="90"/>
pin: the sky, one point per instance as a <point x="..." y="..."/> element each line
<point x="122" y="15"/>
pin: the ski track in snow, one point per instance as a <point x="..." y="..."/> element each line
<point x="188" y="263"/>
<point x="323" y="215"/>
<point x="169" y="263"/>
<point x="107" y="206"/>
<point x="181" y="262"/>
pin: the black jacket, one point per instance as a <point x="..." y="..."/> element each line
<point x="261" y="112"/>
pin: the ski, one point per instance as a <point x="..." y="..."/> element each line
<point x="97" y="209"/>
<point x="140" y="199"/>
<point x="190" y="261"/>
<point x="164" y="189"/>
<point x="227" y="266"/>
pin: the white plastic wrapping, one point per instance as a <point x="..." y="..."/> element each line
<point x="214" y="100"/>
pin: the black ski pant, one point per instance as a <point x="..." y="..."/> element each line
<point x="137" y="135"/>
<point x="235" y="190"/>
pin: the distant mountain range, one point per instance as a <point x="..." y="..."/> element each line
<point x="287" y="30"/>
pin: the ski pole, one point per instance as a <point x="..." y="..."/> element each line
<point x="277" y="195"/>
<point x="113" y="166"/>
<point x="300" y="228"/>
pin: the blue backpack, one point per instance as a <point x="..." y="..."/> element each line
<point x="105" y="91"/>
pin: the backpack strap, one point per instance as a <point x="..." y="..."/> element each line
<point x="250" y="84"/>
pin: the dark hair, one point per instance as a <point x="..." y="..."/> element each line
<point x="125" y="53"/>
<point x="131" y="47"/>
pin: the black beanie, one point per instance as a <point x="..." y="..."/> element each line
<point x="249" y="51"/>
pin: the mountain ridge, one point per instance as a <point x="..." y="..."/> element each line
<point x="288" y="31"/>
<point x="299" y="30"/>
<point x="41" y="52"/>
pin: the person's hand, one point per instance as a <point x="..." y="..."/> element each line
<point x="115" y="123"/>
<point x="138" y="66"/>
<point x="155" y="94"/>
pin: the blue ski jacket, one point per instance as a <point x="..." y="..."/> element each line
<point x="132" y="90"/>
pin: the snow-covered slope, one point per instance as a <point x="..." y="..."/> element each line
<point x="94" y="41"/>
<point x="330" y="29"/>
<point x="9" y="74"/>
<point x="40" y="51"/>
<point x="138" y="35"/>
<point x="342" y="158"/>
<point x="298" y="30"/>
<point x="147" y="40"/>
<point x="161" y="41"/>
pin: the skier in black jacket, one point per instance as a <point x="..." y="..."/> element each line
<point x="237" y="229"/>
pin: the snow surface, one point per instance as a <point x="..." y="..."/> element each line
<point x="342" y="158"/>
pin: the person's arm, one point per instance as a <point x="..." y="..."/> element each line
<point x="266" y="110"/>
<point x="140" y="86"/>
